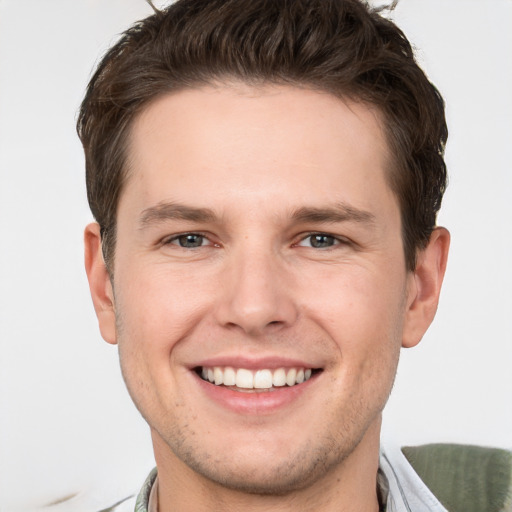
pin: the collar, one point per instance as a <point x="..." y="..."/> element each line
<point x="147" y="500"/>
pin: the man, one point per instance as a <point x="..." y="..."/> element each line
<point x="265" y="176"/>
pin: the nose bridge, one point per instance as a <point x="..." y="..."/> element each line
<point x="257" y="295"/>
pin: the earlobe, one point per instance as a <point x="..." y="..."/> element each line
<point x="425" y="287"/>
<point x="99" y="283"/>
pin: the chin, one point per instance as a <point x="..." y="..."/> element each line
<point x="262" y="471"/>
<point x="277" y="480"/>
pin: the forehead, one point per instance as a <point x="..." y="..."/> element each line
<point x="210" y="143"/>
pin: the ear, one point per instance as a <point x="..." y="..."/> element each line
<point x="99" y="283"/>
<point x="424" y="287"/>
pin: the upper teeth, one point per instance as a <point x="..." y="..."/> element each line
<point x="258" y="379"/>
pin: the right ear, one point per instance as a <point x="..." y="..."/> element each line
<point x="99" y="283"/>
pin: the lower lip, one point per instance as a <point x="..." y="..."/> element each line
<point x="257" y="402"/>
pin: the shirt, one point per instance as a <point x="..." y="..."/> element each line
<point x="401" y="487"/>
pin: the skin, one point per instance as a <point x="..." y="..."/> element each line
<point x="272" y="166"/>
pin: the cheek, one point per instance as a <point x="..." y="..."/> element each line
<point x="155" y="312"/>
<point x="151" y="321"/>
<point x="357" y="300"/>
<point x="362" y="313"/>
<point x="159" y="307"/>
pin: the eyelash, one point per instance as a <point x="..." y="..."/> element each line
<point x="336" y="241"/>
<point x="332" y="238"/>
<point x="176" y="238"/>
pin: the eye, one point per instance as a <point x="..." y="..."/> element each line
<point x="189" y="240"/>
<point x="319" y="241"/>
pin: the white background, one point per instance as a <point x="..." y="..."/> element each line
<point x="66" y="422"/>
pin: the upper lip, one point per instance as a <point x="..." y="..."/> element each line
<point x="254" y="363"/>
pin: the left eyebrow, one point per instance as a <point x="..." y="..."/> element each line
<point x="340" y="213"/>
<point x="168" y="211"/>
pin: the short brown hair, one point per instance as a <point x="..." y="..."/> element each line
<point x="339" y="46"/>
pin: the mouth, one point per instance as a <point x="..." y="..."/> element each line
<point x="253" y="381"/>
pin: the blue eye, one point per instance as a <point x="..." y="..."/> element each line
<point x="319" y="241"/>
<point x="189" y="240"/>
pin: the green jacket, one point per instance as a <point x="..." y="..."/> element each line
<point x="427" y="478"/>
<point x="465" y="478"/>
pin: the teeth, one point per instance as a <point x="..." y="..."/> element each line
<point x="218" y="376"/>
<point x="259" y="379"/>
<point x="279" y="377"/>
<point x="229" y="377"/>
<point x="244" y="379"/>
<point x="291" y="376"/>
<point x="263" y="379"/>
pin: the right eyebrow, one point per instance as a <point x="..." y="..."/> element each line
<point x="168" y="211"/>
<point x="341" y="212"/>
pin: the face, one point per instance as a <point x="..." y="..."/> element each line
<point x="260" y="291"/>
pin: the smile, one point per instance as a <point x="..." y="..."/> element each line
<point x="263" y="379"/>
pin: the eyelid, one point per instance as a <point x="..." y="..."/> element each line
<point x="168" y="240"/>
<point x="339" y="240"/>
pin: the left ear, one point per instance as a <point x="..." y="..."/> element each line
<point x="99" y="283"/>
<point x="424" y="287"/>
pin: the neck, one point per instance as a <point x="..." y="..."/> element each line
<point x="350" y="486"/>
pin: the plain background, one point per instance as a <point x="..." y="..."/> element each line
<point x="66" y="421"/>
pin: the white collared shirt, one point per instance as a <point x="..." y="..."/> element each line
<point x="402" y="488"/>
<point x="405" y="490"/>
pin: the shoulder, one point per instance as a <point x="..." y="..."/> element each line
<point x="465" y="477"/>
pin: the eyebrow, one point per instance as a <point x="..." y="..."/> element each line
<point x="342" y="212"/>
<point x="168" y="211"/>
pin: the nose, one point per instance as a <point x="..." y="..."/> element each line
<point x="257" y="295"/>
